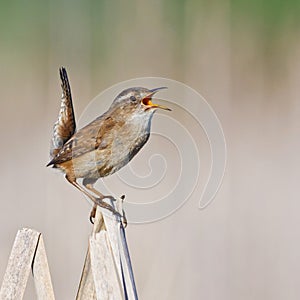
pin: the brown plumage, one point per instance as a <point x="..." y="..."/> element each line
<point x="106" y="144"/>
<point x="65" y="126"/>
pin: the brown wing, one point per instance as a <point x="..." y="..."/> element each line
<point x="96" y="135"/>
<point x="65" y="126"/>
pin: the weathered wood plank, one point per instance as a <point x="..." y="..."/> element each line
<point x="19" y="265"/>
<point x="105" y="276"/>
<point x="107" y="272"/>
<point x="41" y="273"/>
<point x="112" y="226"/>
<point x="86" y="289"/>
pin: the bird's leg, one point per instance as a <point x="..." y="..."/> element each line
<point x="97" y="201"/>
<point x="89" y="184"/>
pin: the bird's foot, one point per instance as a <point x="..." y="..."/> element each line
<point x="124" y="219"/>
<point x="101" y="203"/>
<point x="124" y="223"/>
<point x="93" y="214"/>
<point x="111" y="198"/>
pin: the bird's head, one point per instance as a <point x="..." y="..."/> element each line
<point x="138" y="99"/>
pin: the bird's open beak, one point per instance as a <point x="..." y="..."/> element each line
<point x="148" y="99"/>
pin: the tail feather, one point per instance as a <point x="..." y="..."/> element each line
<point x="65" y="126"/>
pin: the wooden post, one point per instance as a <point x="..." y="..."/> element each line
<point x="41" y="273"/>
<point x="28" y="253"/>
<point x="107" y="272"/>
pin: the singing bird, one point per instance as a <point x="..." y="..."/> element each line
<point x="105" y="145"/>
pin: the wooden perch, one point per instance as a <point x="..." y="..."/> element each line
<point x="107" y="272"/>
<point x="28" y="253"/>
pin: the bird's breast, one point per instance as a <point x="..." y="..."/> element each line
<point x="127" y="141"/>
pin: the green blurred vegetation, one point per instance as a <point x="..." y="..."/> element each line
<point x="268" y="16"/>
<point x="26" y="19"/>
<point x="33" y="26"/>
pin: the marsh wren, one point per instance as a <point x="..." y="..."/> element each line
<point x="105" y="145"/>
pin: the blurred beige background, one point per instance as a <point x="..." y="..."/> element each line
<point x="244" y="58"/>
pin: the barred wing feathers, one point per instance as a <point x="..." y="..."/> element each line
<point x="65" y="126"/>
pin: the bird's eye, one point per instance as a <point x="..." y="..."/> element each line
<point x="133" y="98"/>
